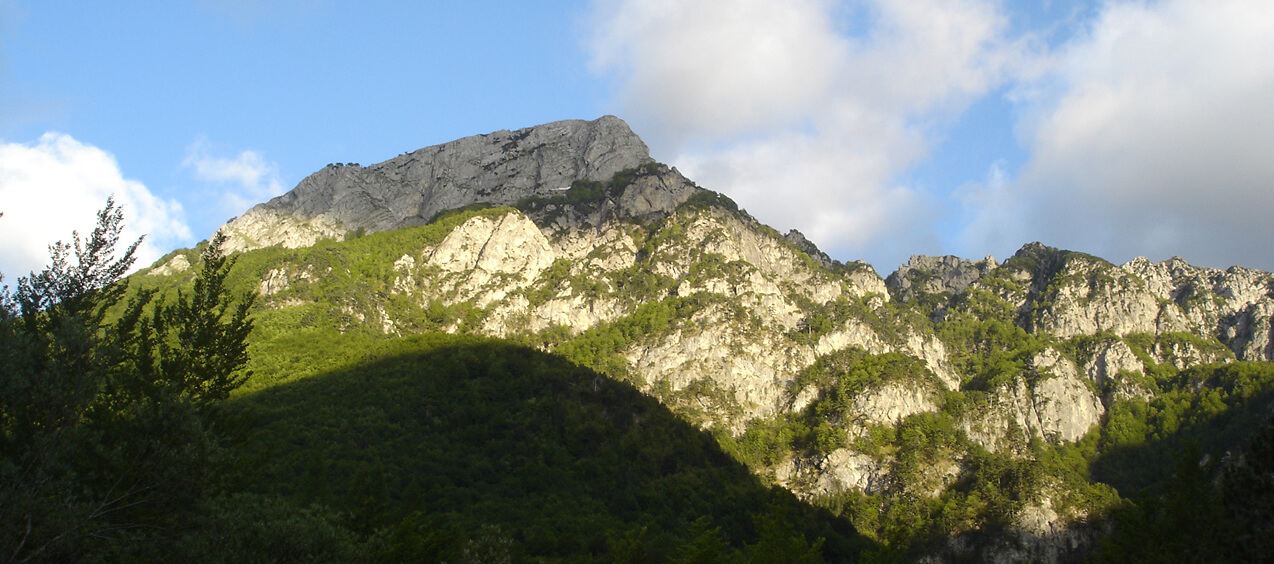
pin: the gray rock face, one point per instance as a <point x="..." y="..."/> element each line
<point x="499" y="168"/>
<point x="797" y="238"/>
<point x="1067" y="294"/>
<point x="935" y="275"/>
<point x="1237" y="302"/>
<point x="1088" y="295"/>
<point x="655" y="190"/>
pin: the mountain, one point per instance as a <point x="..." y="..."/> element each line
<point x="498" y="168"/>
<point x="955" y="409"/>
<point x="452" y="435"/>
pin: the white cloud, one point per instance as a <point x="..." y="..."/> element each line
<point x="719" y="66"/>
<point x="1152" y="135"/>
<point x="1149" y="132"/>
<point x="802" y="123"/>
<point x="247" y="178"/>
<point x="56" y="185"/>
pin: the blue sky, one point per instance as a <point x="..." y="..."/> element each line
<point x="879" y="128"/>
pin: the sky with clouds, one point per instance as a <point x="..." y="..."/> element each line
<point x="879" y="128"/>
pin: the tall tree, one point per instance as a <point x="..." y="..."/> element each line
<point x="108" y="434"/>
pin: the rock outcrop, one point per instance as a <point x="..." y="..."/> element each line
<point x="936" y="275"/>
<point x="1068" y="294"/>
<point x="499" y="168"/>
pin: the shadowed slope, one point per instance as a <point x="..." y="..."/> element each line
<point x="440" y="433"/>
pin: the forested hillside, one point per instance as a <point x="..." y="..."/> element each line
<point x="628" y="368"/>
<point x="446" y="444"/>
<point x="121" y="442"/>
<point x="943" y="422"/>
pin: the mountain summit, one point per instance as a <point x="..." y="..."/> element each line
<point x="500" y="168"/>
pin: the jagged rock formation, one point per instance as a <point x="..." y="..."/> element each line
<point x="1067" y="294"/>
<point x="499" y="168"/>
<point x="504" y="264"/>
<point x="627" y="266"/>
<point x="808" y="247"/>
<point x="937" y="275"/>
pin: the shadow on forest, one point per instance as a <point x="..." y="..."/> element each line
<point x="463" y="433"/>
<point x="1187" y="503"/>
<point x="1147" y="467"/>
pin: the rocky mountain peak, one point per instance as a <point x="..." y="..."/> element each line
<point x="797" y="238"/>
<point x="936" y="275"/>
<point x="499" y="168"/>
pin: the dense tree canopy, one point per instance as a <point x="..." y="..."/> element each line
<point x="109" y="431"/>
<point x="131" y="428"/>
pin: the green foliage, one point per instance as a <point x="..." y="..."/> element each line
<point x="1247" y="490"/>
<point x="983" y="304"/>
<point x="841" y="377"/>
<point x="464" y="211"/>
<point x="988" y="353"/>
<point x="1204" y="511"/>
<point x="331" y="285"/>
<point x="110" y="436"/>
<point x="584" y="191"/>
<point x="1161" y="455"/>
<point x="626" y="177"/>
<point x="848" y="372"/>
<point x="707" y="545"/>
<point x="1168" y="346"/>
<point x="708" y="199"/>
<point x="1187" y="524"/>
<point x="766" y="441"/>
<point x="258" y="528"/>
<point x="358" y="271"/>
<point x="1213" y="406"/>
<point x="198" y="343"/>
<point x="599" y="348"/>
<point x="986" y="493"/>
<point x="639" y="284"/>
<point x="558" y="277"/>
<point x="1173" y="340"/>
<point x="713" y="266"/>
<point x="436" y="448"/>
<point x="451" y="433"/>
<point x="891" y="321"/>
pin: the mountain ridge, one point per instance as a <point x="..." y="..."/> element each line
<point x="819" y="374"/>
<point x="498" y="168"/>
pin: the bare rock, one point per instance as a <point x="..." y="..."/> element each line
<point x="844" y="470"/>
<point x="174" y="265"/>
<point x="499" y="168"/>
<point x="936" y="275"/>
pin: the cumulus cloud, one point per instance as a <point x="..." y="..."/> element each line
<point x="245" y="179"/>
<point x="720" y="67"/>
<point x="804" y="123"/>
<point x="1147" y="132"/>
<point x="56" y="185"/>
<point x="1152" y="135"/>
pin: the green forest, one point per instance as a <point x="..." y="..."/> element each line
<point x="122" y="442"/>
<point x="175" y="418"/>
